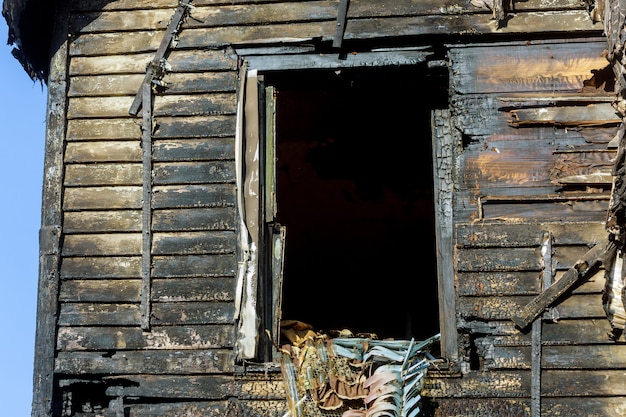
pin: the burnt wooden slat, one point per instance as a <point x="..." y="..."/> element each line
<point x="103" y="174"/>
<point x="114" y="244"/>
<point x="179" y="61"/>
<point x="98" y="107"/>
<point x="133" y="338"/>
<point x="188" y="196"/>
<point x="605" y="357"/>
<point x="108" y="291"/>
<point x="154" y="362"/>
<point x="102" y="221"/>
<point x="215" y="218"/>
<point x="195" y="127"/>
<point x="259" y="408"/>
<point x="194" y="172"/>
<point x="101" y="267"/>
<point x="194" y="149"/>
<point x="583" y="210"/>
<point x="597" y="114"/>
<point x="503" y="308"/>
<point x="99" y="314"/>
<point x="566" y="332"/>
<point x="201" y="242"/>
<point x="516" y="283"/>
<point x="426" y="6"/>
<point x="526" y="67"/>
<point x="143" y="41"/>
<point x="270" y="387"/>
<point x="193" y="313"/>
<point x="101" y="198"/>
<point x="104" y="85"/>
<point x="194" y="266"/>
<point x="166" y="314"/>
<point x="499" y="259"/>
<point x="527" y="233"/>
<point x="100" y="151"/>
<point x="193" y="289"/>
<point x="102" y="129"/>
<point x="194" y="105"/>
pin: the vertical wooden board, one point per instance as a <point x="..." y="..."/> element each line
<point x="531" y="67"/>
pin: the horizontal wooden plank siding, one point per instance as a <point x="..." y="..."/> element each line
<point x="154" y="334"/>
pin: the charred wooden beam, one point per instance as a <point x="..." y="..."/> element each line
<point x="583" y="268"/>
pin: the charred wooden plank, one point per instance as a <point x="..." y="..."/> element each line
<point x="98" y="107"/>
<point x="590" y="115"/>
<point x="99" y="314"/>
<point x="499" y="259"/>
<point x="102" y="221"/>
<point x="101" y="267"/>
<point x="155" y="362"/>
<point x="194" y="149"/>
<point x="187" y="313"/>
<point x="102" y="129"/>
<point x="179" y="61"/>
<point x="115" y="244"/>
<point x="525" y="234"/>
<point x="585" y="267"/>
<point x="103" y="151"/>
<point x="194" y="172"/>
<point x="195" y="104"/>
<point x="191" y="196"/>
<point x="102" y="174"/>
<point x="195" y="127"/>
<point x="144" y="41"/>
<point x="193" y="289"/>
<point x="471" y="407"/>
<point x="594" y="357"/>
<point x="104" y="85"/>
<point x="197" y="242"/>
<point x="92" y="290"/>
<point x="270" y="387"/>
<point x="214" y="218"/>
<point x="194" y="266"/>
<point x="525" y="67"/>
<point x="503" y="308"/>
<point x="133" y="338"/>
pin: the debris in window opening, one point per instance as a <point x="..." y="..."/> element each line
<point x="352" y="376"/>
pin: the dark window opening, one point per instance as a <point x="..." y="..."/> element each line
<point x="354" y="188"/>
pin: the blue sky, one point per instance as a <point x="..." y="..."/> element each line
<point x="22" y="134"/>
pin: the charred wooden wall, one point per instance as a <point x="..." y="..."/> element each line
<point x="105" y="364"/>
<point x="531" y="200"/>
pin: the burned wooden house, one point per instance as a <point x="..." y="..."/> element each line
<point x="392" y="171"/>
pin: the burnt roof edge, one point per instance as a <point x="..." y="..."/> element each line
<point x="30" y="25"/>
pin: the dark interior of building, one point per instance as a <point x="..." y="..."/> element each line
<point x="355" y="191"/>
